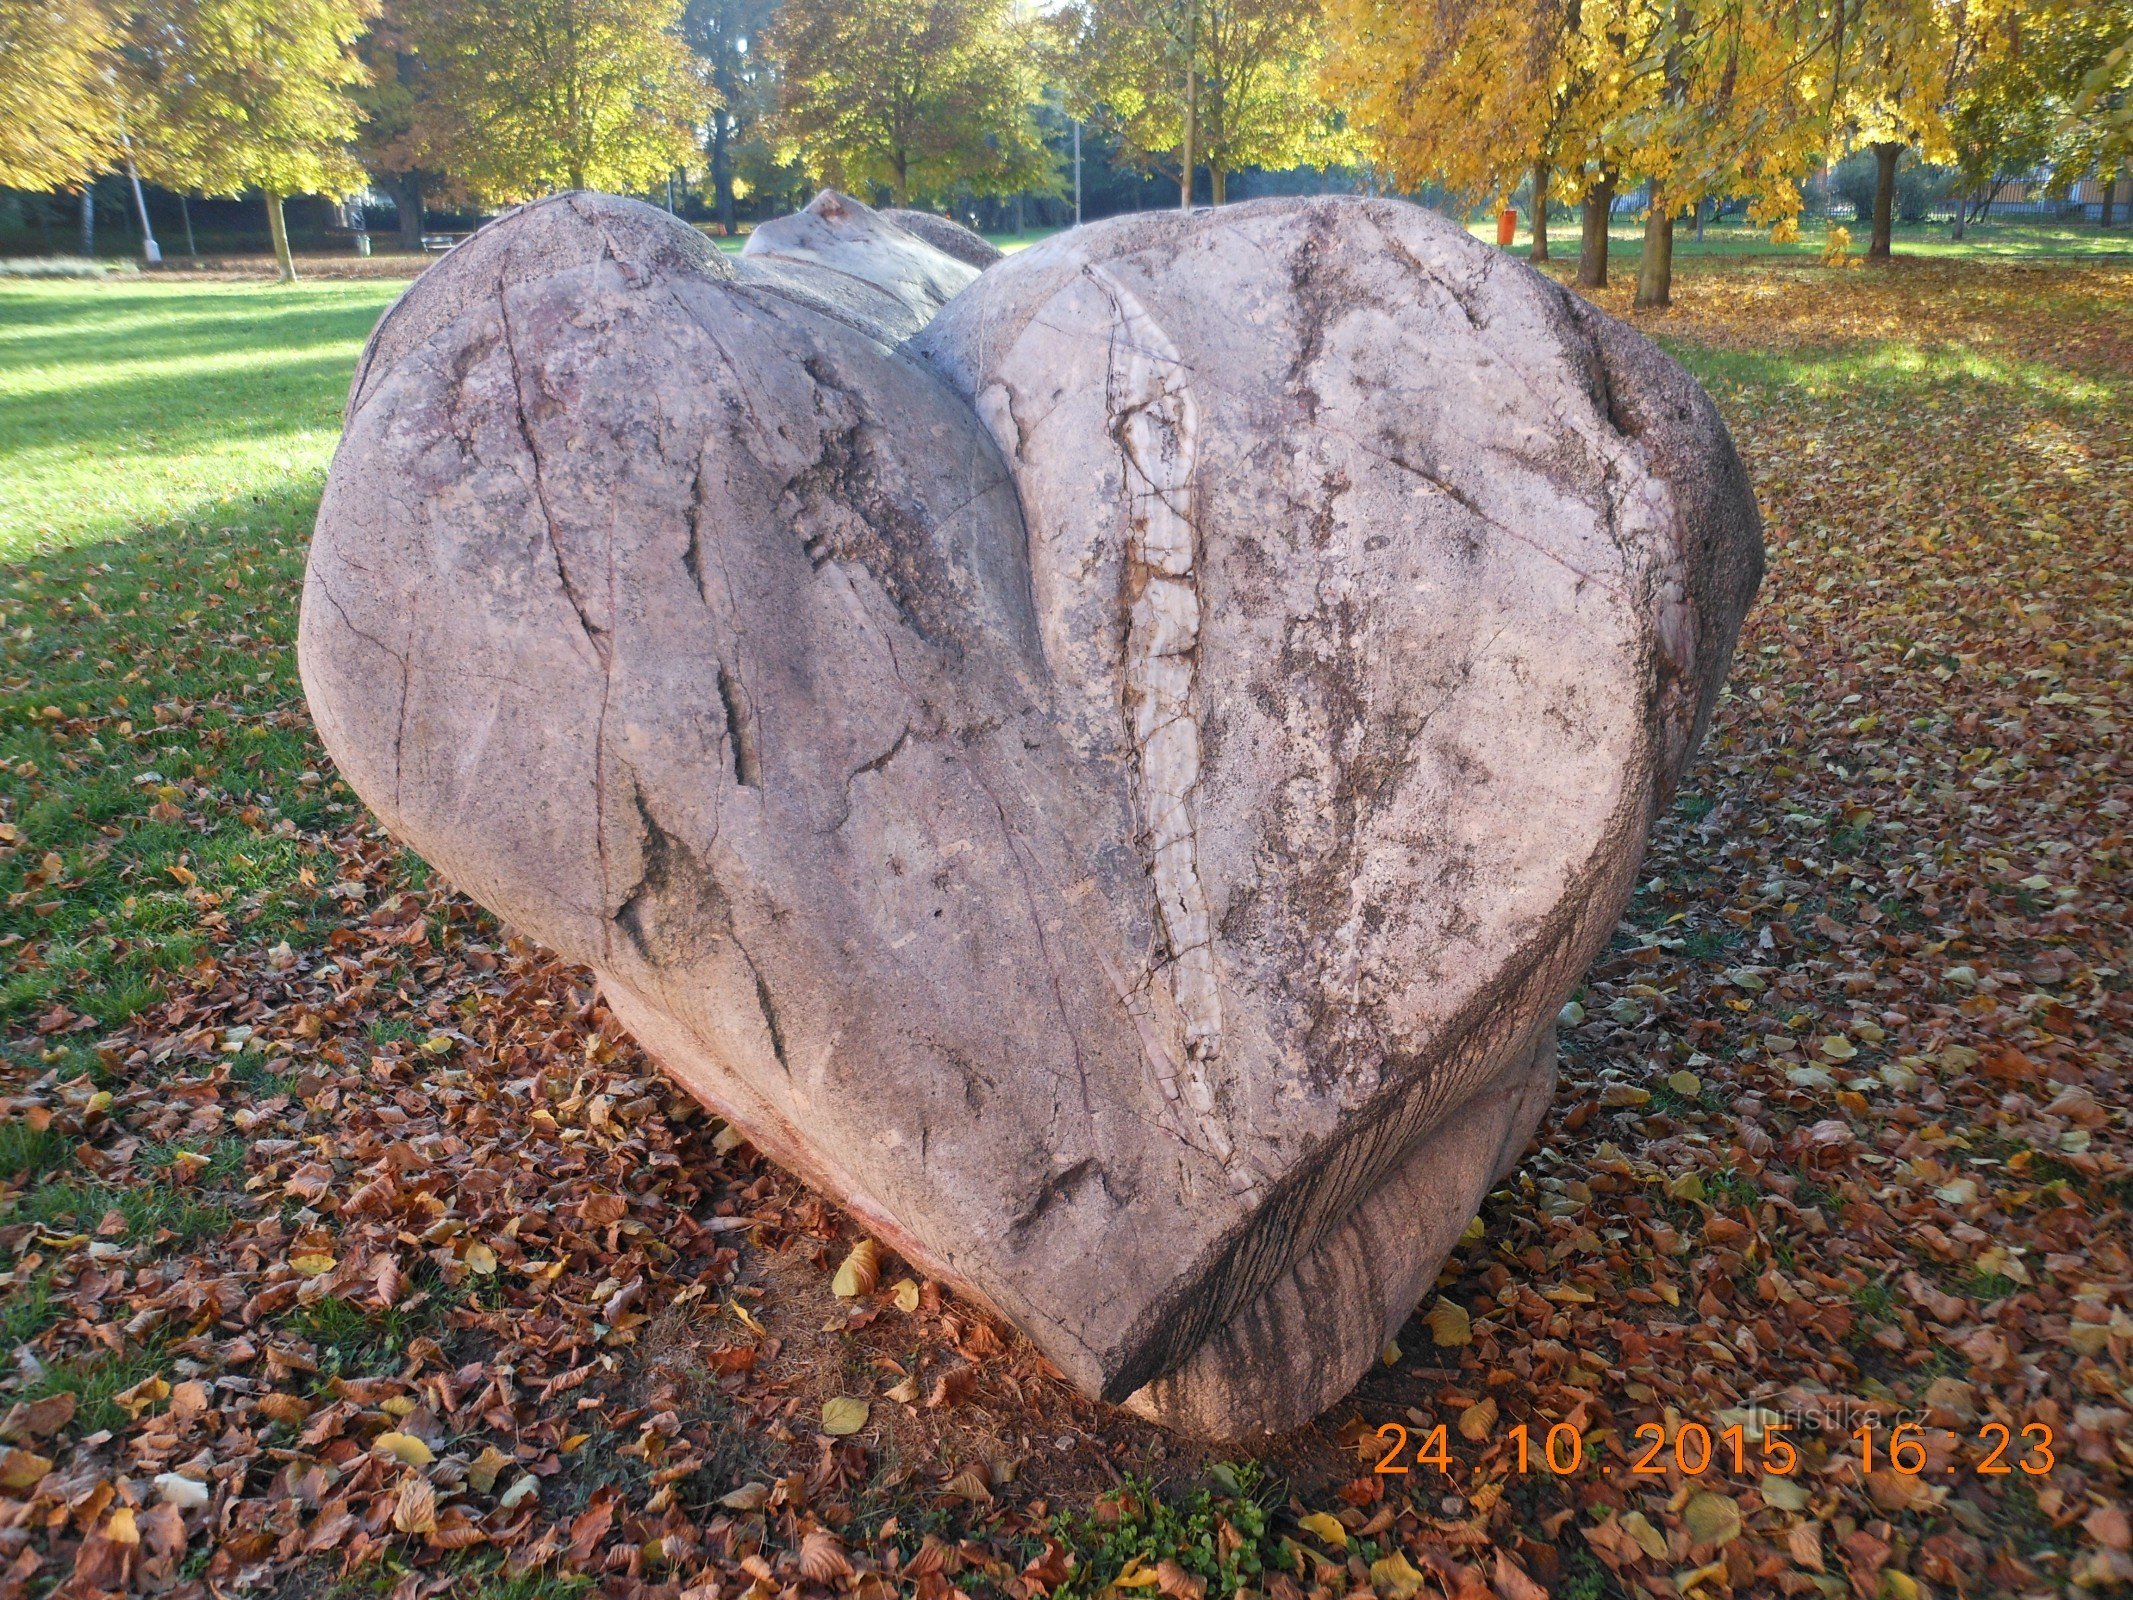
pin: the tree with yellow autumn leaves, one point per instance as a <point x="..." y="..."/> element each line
<point x="58" y="106"/>
<point x="1224" y="84"/>
<point x="1692" y="97"/>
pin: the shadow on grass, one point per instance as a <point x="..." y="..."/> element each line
<point x="130" y="408"/>
<point x="94" y="327"/>
<point x="191" y="616"/>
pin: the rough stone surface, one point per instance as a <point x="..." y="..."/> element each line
<point x="946" y="235"/>
<point x="841" y="250"/>
<point x="1109" y="767"/>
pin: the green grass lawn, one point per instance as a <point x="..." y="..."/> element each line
<point x="1986" y="241"/>
<point x="156" y="404"/>
<point x="162" y="448"/>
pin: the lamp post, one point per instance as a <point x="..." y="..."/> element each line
<point x="151" y="252"/>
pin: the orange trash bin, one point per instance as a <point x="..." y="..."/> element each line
<point x="1506" y="226"/>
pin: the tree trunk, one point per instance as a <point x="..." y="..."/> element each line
<point x="1886" y="154"/>
<point x="1699" y="221"/>
<point x="185" y="211"/>
<point x="1192" y="106"/>
<point x="1540" y="212"/>
<point x="722" y="170"/>
<point x="278" y="230"/>
<point x="1217" y="183"/>
<point x="2110" y="193"/>
<point x="88" y="219"/>
<point x="407" y="206"/>
<point x="1655" y="267"/>
<point x="1592" y="246"/>
<point x="901" y="188"/>
<point x="1962" y="216"/>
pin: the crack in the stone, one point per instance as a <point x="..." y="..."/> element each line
<point x="903" y="734"/>
<point x="595" y="635"/>
<point x="1044" y="945"/>
<point x="677" y="909"/>
<point x="403" y="656"/>
<point x="602" y="645"/>
<point x="740" y="728"/>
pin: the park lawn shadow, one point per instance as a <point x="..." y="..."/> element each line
<point x="127" y="408"/>
<point x="155" y="758"/>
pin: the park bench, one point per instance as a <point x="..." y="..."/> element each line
<point x="437" y="243"/>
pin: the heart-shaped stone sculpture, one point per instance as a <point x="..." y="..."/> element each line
<point x="1108" y="765"/>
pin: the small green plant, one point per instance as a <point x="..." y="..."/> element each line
<point x="1986" y="1287"/>
<point x="1579" y="1576"/>
<point x="1875" y="1301"/>
<point x="1219" y="1534"/>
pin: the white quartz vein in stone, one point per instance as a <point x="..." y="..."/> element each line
<point x="1156" y="422"/>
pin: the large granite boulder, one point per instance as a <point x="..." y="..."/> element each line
<point x="1108" y="765"/>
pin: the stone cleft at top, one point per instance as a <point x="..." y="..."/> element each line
<point x="1107" y="760"/>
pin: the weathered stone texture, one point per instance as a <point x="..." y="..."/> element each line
<point x="1108" y="766"/>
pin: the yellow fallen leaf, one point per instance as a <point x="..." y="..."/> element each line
<point x="1449" y="1324"/>
<point x="1476" y="1420"/>
<point x="480" y="1258"/>
<point x="906" y="1293"/>
<point x="404" y="1448"/>
<point x="20" y="1470"/>
<point x="1782" y="1493"/>
<point x="122" y="1528"/>
<point x="313" y="1264"/>
<point x="415" y="1511"/>
<point x="148" y="1392"/>
<point x="487" y="1467"/>
<point x="1395" y="1576"/>
<point x="1327" y="1527"/>
<point x="576" y="1441"/>
<point x="844" y="1414"/>
<point x="1649" y="1539"/>
<point x="1134" y="1576"/>
<point x="859" y="1273"/>
<point x="1689" y="1582"/>
<point x="1711" y="1518"/>
<point x="1685" y="1084"/>
<point x="1839" y="1048"/>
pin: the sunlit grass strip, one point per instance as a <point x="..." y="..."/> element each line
<point x="128" y="407"/>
